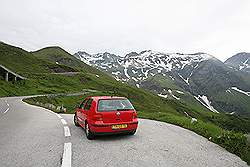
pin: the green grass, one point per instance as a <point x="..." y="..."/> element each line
<point x="247" y="156"/>
<point x="235" y="101"/>
<point x="159" y="82"/>
<point x="22" y="62"/>
<point x="59" y="55"/>
<point x="164" y="82"/>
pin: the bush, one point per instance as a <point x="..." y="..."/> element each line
<point x="233" y="142"/>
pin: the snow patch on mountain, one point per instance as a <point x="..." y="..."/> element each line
<point x="162" y="95"/>
<point x="185" y="80"/>
<point x="241" y="91"/>
<point x="205" y="102"/>
<point x="171" y="93"/>
<point x="144" y="64"/>
<point x="240" y="61"/>
<point x="244" y="65"/>
<point x="180" y="92"/>
<point x="136" y="80"/>
<point x="116" y="73"/>
<point x="126" y="72"/>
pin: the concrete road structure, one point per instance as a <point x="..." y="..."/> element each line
<point x="33" y="136"/>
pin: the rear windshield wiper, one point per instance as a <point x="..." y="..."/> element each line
<point x="124" y="109"/>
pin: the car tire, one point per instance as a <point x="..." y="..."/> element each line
<point x="88" y="133"/>
<point x="132" y="132"/>
<point x="76" y="121"/>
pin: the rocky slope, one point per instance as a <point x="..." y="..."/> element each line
<point x="202" y="76"/>
<point x="240" y="61"/>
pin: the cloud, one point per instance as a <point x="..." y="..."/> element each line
<point x="220" y="28"/>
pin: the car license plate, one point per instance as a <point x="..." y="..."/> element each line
<point x="119" y="126"/>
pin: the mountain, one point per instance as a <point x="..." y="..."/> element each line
<point x="204" y="78"/>
<point x="59" y="56"/>
<point x="240" y="61"/>
<point x="136" y="67"/>
<point x="47" y="71"/>
<point x="39" y="67"/>
<point x="19" y="60"/>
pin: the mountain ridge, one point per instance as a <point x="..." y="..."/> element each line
<point x="240" y="61"/>
<point x="201" y="74"/>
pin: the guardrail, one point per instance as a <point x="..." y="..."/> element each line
<point x="10" y="75"/>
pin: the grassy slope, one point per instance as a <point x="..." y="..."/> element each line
<point x="233" y="99"/>
<point x="190" y="105"/>
<point x="38" y="69"/>
<point x="167" y="83"/>
<point x="57" y="54"/>
<point x="22" y="62"/>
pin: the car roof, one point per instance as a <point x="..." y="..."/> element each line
<point x="106" y="97"/>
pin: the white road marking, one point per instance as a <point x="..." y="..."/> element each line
<point x="7" y="103"/>
<point x="67" y="151"/>
<point x="67" y="154"/>
<point x="7" y="108"/>
<point x="6" y="111"/>
<point x="59" y="116"/>
<point x="66" y="131"/>
<point x="63" y="122"/>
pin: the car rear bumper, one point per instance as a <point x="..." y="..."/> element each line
<point x="112" y="133"/>
<point x="107" y="128"/>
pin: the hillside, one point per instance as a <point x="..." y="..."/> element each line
<point x="42" y="80"/>
<point x="23" y="62"/>
<point x="57" y="55"/>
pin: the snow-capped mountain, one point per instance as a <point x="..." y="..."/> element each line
<point x="201" y="75"/>
<point x="240" y="61"/>
<point x="135" y="67"/>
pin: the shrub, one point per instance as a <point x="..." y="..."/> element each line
<point x="233" y="142"/>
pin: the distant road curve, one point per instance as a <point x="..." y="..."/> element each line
<point x="67" y="73"/>
<point x="34" y="136"/>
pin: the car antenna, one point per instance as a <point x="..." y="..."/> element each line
<point x="113" y="92"/>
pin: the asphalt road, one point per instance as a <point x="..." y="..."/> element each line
<point x="33" y="136"/>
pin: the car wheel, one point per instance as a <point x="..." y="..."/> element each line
<point x="76" y="121"/>
<point x="132" y="132"/>
<point x="88" y="133"/>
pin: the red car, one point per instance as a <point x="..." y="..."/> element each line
<point x="106" y="114"/>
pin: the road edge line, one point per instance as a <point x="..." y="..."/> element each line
<point x="66" y="131"/>
<point x="58" y="115"/>
<point x="6" y="111"/>
<point x="67" y="155"/>
<point x="63" y="121"/>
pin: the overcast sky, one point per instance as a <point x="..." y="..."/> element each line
<point x="217" y="27"/>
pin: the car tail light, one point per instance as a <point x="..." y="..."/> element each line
<point x="97" y="117"/>
<point x="134" y="115"/>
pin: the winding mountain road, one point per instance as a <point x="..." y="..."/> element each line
<point x="34" y="136"/>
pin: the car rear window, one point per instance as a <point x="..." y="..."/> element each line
<point x="114" y="105"/>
